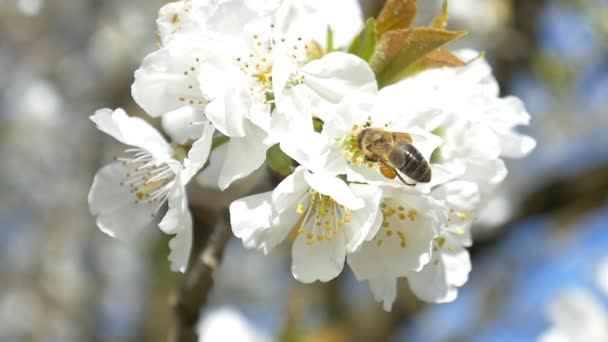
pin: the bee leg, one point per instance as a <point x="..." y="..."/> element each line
<point x="404" y="181"/>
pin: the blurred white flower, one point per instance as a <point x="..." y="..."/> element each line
<point x="602" y="276"/>
<point x="30" y="7"/>
<point x="228" y="324"/>
<point x="327" y="219"/>
<point x="576" y="315"/>
<point x="127" y="194"/>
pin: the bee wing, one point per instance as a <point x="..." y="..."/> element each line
<point x="381" y="151"/>
<point x="402" y="137"/>
<point x="418" y="137"/>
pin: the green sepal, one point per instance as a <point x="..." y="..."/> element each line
<point x="364" y="44"/>
<point x="278" y="161"/>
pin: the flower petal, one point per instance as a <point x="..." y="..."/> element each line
<point x="183" y="124"/>
<point x="338" y="74"/>
<point x="168" y="78"/>
<point x="334" y="188"/>
<point x="229" y="103"/>
<point x="404" y="243"/>
<point x="365" y="222"/>
<point x="250" y="218"/>
<point x="321" y="260"/>
<point x="286" y="195"/>
<point x="181" y="245"/>
<point x="132" y="131"/>
<point x="384" y="290"/>
<point x="114" y="205"/>
<point x="177" y="213"/>
<point x="439" y="280"/>
<point x="244" y="155"/>
<point x="317" y="154"/>
<point x="198" y="154"/>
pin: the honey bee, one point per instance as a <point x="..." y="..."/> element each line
<point x="394" y="151"/>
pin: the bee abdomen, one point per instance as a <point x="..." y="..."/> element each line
<point x="410" y="161"/>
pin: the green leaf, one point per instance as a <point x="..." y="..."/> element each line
<point x="397" y="50"/>
<point x="441" y="20"/>
<point x="278" y="161"/>
<point x="435" y="59"/>
<point x="396" y="15"/>
<point x="364" y="44"/>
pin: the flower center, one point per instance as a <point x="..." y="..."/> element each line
<point x="148" y="181"/>
<point x="350" y="146"/>
<point x="396" y="218"/>
<point x="321" y="217"/>
<point x="257" y="66"/>
<point x="191" y="94"/>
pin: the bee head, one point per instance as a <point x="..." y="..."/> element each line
<point x="371" y="137"/>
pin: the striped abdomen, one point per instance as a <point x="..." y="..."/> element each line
<point x="407" y="159"/>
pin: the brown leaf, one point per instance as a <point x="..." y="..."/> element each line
<point x="395" y="15"/>
<point x="441" y="20"/>
<point x="397" y="50"/>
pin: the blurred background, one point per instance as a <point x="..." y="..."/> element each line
<point x="61" y="279"/>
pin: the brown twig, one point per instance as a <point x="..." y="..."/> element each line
<point x="196" y="285"/>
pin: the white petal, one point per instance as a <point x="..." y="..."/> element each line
<point x="283" y="67"/>
<point x="250" y="218"/>
<point x="365" y="222"/>
<point x="244" y="155"/>
<point x="515" y="145"/>
<point x="338" y="74"/>
<point x="294" y="18"/>
<point x="384" y="290"/>
<point x="114" y="205"/>
<point x="230" y="16"/>
<point x="181" y="246"/>
<point x="318" y="153"/>
<point x="132" y="131"/>
<point x="290" y="190"/>
<point x="183" y="124"/>
<point x="460" y="195"/>
<point x="354" y="109"/>
<point x="230" y="101"/>
<point x="404" y="243"/>
<point x="198" y="154"/>
<point x="177" y="213"/>
<point x="486" y="173"/>
<point x="334" y="188"/>
<point x="323" y="260"/>
<point x="373" y="260"/>
<point x="439" y="280"/>
<point x="168" y="78"/>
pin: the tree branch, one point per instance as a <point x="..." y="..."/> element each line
<point x="196" y="285"/>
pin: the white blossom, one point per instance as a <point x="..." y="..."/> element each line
<point x="324" y="216"/>
<point x="336" y="149"/>
<point x="228" y="324"/>
<point x="239" y="61"/>
<point x="127" y="194"/>
<point x="403" y="245"/>
<point x="576" y="315"/>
